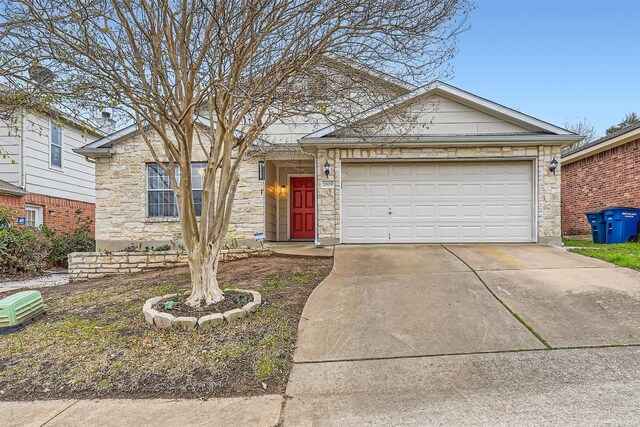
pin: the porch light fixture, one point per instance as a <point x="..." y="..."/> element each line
<point x="553" y="165"/>
<point x="327" y="168"/>
<point x="261" y="170"/>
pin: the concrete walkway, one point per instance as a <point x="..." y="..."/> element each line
<point x="301" y="249"/>
<point x="467" y="335"/>
<point x="55" y="279"/>
<point x="251" y="411"/>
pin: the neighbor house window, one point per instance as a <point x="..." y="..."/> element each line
<point x="33" y="215"/>
<point x="56" y="145"/>
<point x="161" y="201"/>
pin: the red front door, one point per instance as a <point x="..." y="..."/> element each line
<point x="302" y="219"/>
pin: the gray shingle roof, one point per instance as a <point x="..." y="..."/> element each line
<point x="622" y="131"/>
<point x="6" y="188"/>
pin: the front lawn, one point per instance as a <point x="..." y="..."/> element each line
<point x="94" y="342"/>
<point x="622" y="254"/>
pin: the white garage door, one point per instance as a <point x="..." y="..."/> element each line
<point x="437" y="202"/>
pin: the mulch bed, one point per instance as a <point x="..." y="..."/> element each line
<point x="232" y="299"/>
<point x="94" y="342"/>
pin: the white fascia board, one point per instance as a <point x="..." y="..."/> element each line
<point x="116" y="136"/>
<point x="460" y="95"/>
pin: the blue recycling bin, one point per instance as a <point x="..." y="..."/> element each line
<point x="622" y="224"/>
<point x="598" y="226"/>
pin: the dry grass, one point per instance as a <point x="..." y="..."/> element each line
<point x="94" y="341"/>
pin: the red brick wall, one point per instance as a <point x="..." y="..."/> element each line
<point x="610" y="178"/>
<point x="57" y="213"/>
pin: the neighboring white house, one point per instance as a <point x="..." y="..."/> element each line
<point x="461" y="169"/>
<point x="40" y="174"/>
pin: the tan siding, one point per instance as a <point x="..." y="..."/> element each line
<point x="435" y="115"/>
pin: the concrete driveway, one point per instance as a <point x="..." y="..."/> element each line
<point x="420" y="328"/>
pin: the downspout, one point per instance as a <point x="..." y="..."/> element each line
<point x="22" y="178"/>
<point x="315" y="181"/>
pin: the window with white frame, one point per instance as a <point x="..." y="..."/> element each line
<point x="33" y="215"/>
<point x="161" y="201"/>
<point x="55" y="158"/>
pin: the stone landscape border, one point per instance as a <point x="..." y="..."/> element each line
<point x="93" y="265"/>
<point x="164" y="320"/>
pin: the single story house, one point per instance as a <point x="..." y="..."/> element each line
<point x="603" y="173"/>
<point x="434" y="164"/>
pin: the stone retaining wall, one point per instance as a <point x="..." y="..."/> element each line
<point x="92" y="265"/>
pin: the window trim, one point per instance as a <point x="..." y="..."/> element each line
<point x="38" y="214"/>
<point x="147" y="216"/>
<point x="53" y="125"/>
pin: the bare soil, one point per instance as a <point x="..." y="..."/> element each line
<point x="94" y="342"/>
<point x="232" y="299"/>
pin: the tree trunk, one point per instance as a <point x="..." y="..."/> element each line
<point x="204" y="269"/>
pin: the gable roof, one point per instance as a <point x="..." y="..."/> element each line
<point x="624" y="135"/>
<point x="440" y="88"/>
<point x="101" y="147"/>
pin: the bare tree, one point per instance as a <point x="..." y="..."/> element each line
<point x="212" y="75"/>
<point x="582" y="128"/>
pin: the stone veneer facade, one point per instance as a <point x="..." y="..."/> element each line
<point x="548" y="191"/>
<point x="121" y="191"/>
<point x="121" y="200"/>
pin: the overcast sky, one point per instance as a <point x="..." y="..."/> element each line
<point x="556" y="60"/>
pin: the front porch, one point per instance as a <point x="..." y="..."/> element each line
<point x="290" y="198"/>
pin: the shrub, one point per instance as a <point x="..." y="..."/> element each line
<point x="30" y="250"/>
<point x="79" y="240"/>
<point x="22" y="250"/>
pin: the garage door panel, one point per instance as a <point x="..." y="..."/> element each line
<point x="513" y="232"/>
<point x="471" y="190"/>
<point x="355" y="232"/>
<point x="438" y="202"/>
<point x="448" y="232"/>
<point x="379" y="170"/>
<point x="354" y="190"/>
<point x="425" y="232"/>
<point x="378" y="191"/>
<point x="447" y="211"/>
<point x="402" y="212"/>
<point x="378" y="211"/>
<point x="447" y="190"/>
<point x="425" y="169"/>
<point x="425" y="212"/>
<point x="379" y="232"/>
<point x="355" y="211"/>
<point x="472" y="212"/>
<point x="471" y="232"/>
<point x="401" y="232"/>
<point x="523" y="190"/>
<point x="425" y="190"/>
